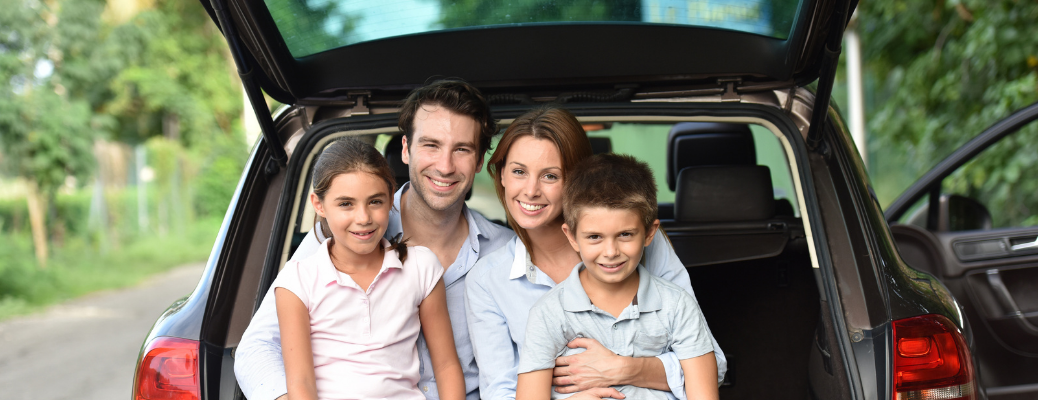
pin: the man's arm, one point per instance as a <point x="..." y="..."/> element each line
<point x="258" y="364"/>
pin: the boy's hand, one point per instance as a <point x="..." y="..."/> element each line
<point x="597" y="367"/>
<point x="598" y="394"/>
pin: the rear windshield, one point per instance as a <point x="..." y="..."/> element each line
<point x="313" y="26"/>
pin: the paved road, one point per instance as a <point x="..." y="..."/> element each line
<point x="87" y="348"/>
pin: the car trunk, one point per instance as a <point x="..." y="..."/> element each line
<point x="754" y="279"/>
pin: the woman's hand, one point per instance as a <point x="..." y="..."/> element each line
<point x="598" y="367"/>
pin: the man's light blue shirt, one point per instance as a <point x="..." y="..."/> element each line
<point x="502" y="289"/>
<point x="258" y="363"/>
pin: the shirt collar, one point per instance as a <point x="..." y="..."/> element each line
<point x="327" y="274"/>
<point x="519" y="260"/>
<point x="575" y="299"/>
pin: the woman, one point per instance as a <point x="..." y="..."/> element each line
<point x="528" y="168"/>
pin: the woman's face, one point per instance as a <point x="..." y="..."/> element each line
<point x="532" y="178"/>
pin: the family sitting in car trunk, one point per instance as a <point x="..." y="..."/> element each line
<point x="584" y="297"/>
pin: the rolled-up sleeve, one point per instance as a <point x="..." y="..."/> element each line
<point x="258" y="363"/>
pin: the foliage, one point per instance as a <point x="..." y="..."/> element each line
<point x="44" y="134"/>
<point x="309" y="26"/>
<point x="943" y="72"/>
<point x="220" y="167"/>
<point x="79" y="268"/>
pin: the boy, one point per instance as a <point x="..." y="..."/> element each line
<point x="609" y="205"/>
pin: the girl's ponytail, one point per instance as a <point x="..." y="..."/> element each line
<point x="400" y="245"/>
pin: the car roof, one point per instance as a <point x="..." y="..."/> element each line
<point x="524" y="57"/>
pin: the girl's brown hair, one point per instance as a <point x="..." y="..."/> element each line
<point x="549" y="122"/>
<point x="348" y="155"/>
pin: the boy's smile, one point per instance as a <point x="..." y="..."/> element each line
<point x="610" y="242"/>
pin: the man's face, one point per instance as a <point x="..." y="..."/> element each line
<point x="443" y="156"/>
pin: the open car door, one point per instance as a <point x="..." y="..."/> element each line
<point x="972" y="222"/>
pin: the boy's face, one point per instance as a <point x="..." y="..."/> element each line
<point x="610" y="242"/>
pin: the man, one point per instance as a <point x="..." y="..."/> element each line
<point x="447" y="130"/>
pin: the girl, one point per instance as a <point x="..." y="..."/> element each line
<point x="351" y="313"/>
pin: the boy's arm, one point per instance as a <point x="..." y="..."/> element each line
<point x="700" y="377"/>
<point x="535" y="385"/>
<point x="662" y="261"/>
<point x="295" y="345"/>
<point x="436" y="327"/>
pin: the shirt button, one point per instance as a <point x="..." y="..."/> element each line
<point x="531" y="268"/>
<point x="615" y="327"/>
<point x="425" y="388"/>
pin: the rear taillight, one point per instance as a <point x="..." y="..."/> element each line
<point x="931" y="360"/>
<point x="168" y="371"/>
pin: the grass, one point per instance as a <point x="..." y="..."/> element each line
<point x="78" y="268"/>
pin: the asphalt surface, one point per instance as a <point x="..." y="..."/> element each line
<point x="87" y="348"/>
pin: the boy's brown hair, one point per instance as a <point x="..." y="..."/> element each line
<point x="611" y="181"/>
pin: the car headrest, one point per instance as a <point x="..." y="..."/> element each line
<point x="708" y="143"/>
<point x="724" y="193"/>
<point x="600" y="144"/>
<point x="396" y="162"/>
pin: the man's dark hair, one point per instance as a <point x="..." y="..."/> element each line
<point x="454" y="95"/>
<point x="610" y="181"/>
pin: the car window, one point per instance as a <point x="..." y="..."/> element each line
<point x="310" y="27"/>
<point x="648" y="142"/>
<point x="998" y="188"/>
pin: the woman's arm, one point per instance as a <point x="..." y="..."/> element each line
<point x="294" y="320"/>
<point x="700" y="377"/>
<point x="491" y="339"/>
<point x="597" y="367"/>
<point x="436" y="326"/>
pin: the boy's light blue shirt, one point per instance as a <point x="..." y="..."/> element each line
<point x="504" y="286"/>
<point x="259" y="365"/>
<point x="661" y="318"/>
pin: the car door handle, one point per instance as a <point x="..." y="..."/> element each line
<point x="1024" y="246"/>
<point x="1007" y="302"/>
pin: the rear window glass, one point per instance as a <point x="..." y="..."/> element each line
<point x="313" y="26"/>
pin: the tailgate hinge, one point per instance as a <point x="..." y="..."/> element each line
<point x="361" y="99"/>
<point x="729" y="94"/>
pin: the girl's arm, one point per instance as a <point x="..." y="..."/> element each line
<point x="294" y="321"/>
<point x="436" y="326"/>
<point x="700" y="377"/>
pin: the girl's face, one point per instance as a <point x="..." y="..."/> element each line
<point x="532" y="178"/>
<point x="357" y="208"/>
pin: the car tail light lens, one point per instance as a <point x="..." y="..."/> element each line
<point x="168" y="371"/>
<point x="931" y="360"/>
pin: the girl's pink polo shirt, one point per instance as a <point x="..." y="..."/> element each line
<point x="364" y="342"/>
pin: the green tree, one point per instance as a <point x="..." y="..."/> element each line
<point x="44" y="134"/>
<point x="944" y="71"/>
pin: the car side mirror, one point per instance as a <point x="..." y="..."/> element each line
<point x="956" y="213"/>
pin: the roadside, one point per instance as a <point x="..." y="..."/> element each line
<point x="86" y="348"/>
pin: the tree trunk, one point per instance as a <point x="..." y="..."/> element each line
<point x="37" y="223"/>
